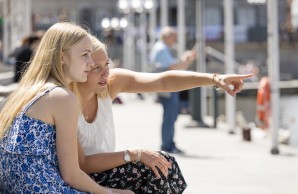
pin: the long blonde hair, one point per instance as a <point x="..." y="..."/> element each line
<point x="45" y="63"/>
<point x="96" y="46"/>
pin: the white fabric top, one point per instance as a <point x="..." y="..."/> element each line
<point x="98" y="136"/>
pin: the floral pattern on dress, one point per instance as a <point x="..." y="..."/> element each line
<point x="141" y="179"/>
<point x="28" y="158"/>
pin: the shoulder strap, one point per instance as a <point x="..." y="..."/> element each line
<point x="38" y="97"/>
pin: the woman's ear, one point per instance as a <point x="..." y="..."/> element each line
<point x="62" y="57"/>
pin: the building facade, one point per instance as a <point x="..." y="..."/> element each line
<point x="250" y="25"/>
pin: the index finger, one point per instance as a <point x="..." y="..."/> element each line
<point x="244" y="76"/>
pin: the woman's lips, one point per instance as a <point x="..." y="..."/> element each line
<point x="102" y="83"/>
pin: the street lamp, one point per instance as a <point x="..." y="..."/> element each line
<point x="114" y="23"/>
<point x="129" y="8"/>
<point x="148" y="4"/>
<point x="123" y="23"/>
<point x="273" y="68"/>
<point x="112" y="31"/>
<point x="105" y="23"/>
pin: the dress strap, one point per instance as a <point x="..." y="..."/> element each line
<point x="28" y="105"/>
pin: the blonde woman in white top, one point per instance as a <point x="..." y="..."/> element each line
<point x="142" y="171"/>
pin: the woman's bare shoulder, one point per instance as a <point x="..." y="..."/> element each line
<point x="63" y="105"/>
<point x="60" y="96"/>
<point x="56" y="102"/>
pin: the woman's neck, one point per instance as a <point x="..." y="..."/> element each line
<point x="89" y="107"/>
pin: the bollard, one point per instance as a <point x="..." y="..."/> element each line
<point x="246" y="134"/>
<point x="246" y="130"/>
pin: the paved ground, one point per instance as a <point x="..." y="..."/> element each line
<point x="215" y="162"/>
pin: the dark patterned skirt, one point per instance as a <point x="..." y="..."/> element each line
<point x="140" y="179"/>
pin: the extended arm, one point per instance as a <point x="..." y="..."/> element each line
<point x="176" y="80"/>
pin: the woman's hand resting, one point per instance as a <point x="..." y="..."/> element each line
<point x="154" y="160"/>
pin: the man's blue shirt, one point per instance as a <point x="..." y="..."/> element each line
<point x="161" y="57"/>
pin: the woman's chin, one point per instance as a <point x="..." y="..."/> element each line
<point x="103" y="88"/>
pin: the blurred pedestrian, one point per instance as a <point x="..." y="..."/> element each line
<point x="23" y="55"/>
<point x="38" y="123"/>
<point x="163" y="60"/>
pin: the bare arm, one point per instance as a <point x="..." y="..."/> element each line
<point x="99" y="162"/>
<point x="169" y="81"/>
<point x="65" y="113"/>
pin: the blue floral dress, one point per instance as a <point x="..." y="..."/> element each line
<point x="28" y="158"/>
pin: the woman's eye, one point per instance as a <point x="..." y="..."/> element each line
<point x="96" y="69"/>
<point x="86" y="54"/>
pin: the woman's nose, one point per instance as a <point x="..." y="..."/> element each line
<point x="105" y="72"/>
<point x="90" y="63"/>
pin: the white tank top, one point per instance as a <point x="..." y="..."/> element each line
<point x="98" y="136"/>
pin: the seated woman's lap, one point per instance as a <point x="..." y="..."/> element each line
<point x="141" y="179"/>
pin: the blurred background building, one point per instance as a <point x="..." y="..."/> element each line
<point x="106" y="20"/>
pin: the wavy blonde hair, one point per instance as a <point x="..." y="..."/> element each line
<point x="96" y="46"/>
<point x="46" y="63"/>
